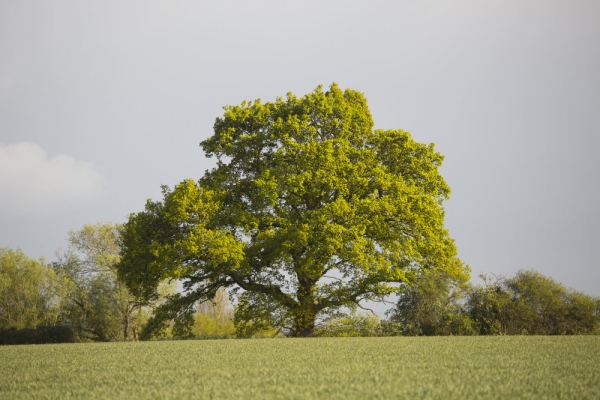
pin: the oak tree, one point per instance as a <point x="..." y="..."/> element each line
<point x="309" y="211"/>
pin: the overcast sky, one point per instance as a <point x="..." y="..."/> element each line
<point x="102" y="102"/>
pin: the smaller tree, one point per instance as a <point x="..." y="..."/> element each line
<point x="100" y="307"/>
<point x="542" y="306"/>
<point x="432" y="306"/>
<point x="489" y="306"/>
<point x="31" y="294"/>
<point x="530" y="303"/>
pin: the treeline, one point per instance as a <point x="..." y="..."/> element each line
<point x="528" y="303"/>
<point x="81" y="291"/>
<point x="81" y="298"/>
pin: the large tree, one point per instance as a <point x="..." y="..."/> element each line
<point x="308" y="211"/>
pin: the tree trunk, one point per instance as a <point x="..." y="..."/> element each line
<point x="305" y="324"/>
<point x="126" y="325"/>
<point x="306" y="314"/>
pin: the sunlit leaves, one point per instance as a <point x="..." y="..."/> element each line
<point x="304" y="188"/>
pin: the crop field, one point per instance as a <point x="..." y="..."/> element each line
<point x="327" y="368"/>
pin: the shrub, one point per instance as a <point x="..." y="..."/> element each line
<point x="38" y="335"/>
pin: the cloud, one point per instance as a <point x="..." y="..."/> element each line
<point x="32" y="182"/>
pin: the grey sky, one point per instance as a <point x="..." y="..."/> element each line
<point x="101" y="103"/>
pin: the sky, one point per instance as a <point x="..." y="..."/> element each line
<point x="102" y="102"/>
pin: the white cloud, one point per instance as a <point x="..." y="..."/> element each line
<point x="34" y="183"/>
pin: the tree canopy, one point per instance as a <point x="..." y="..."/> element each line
<point x="309" y="211"/>
<point x="31" y="293"/>
<point x="531" y="303"/>
<point x="100" y="307"/>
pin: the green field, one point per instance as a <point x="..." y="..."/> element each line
<point x="328" y="368"/>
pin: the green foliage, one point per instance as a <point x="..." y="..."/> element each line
<point x="531" y="303"/>
<point x="31" y="294"/>
<point x="432" y="306"/>
<point x="208" y="327"/>
<point x="352" y="325"/>
<point x="256" y="316"/>
<point x="214" y="318"/>
<point x="516" y="367"/>
<point x="488" y="307"/>
<point x="100" y="307"/>
<point x="528" y="303"/>
<point x="309" y="211"/>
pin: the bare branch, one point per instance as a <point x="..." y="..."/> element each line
<point x="366" y="309"/>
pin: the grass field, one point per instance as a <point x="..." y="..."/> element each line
<point x="327" y="368"/>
